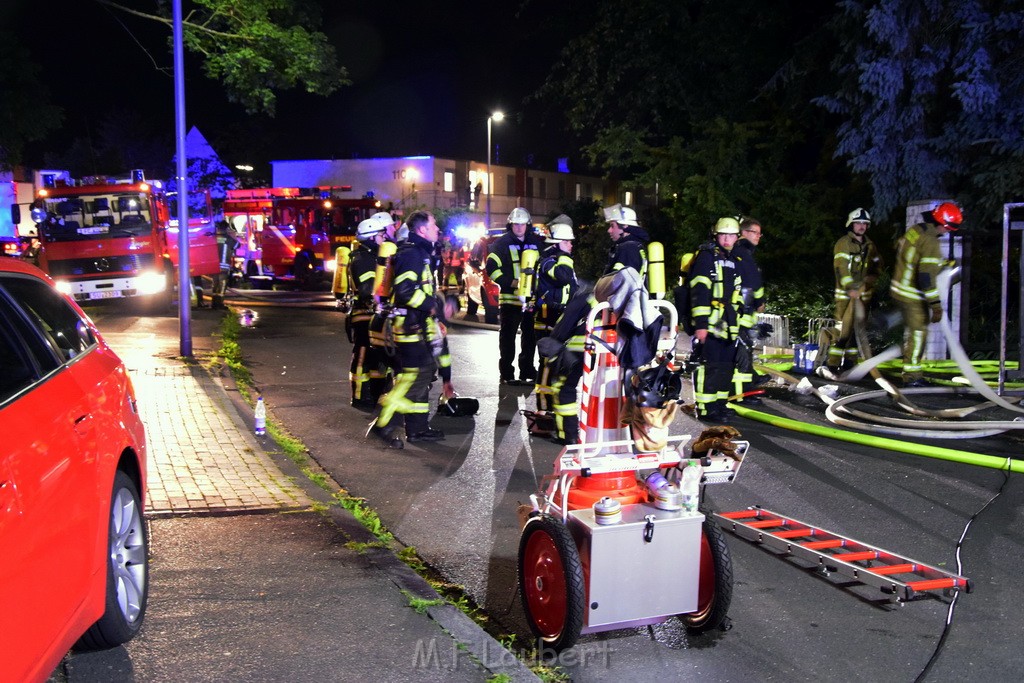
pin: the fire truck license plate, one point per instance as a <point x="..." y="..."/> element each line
<point x="105" y="295"/>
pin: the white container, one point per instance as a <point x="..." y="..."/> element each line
<point x="260" y="417"/>
<point x="689" y="486"/>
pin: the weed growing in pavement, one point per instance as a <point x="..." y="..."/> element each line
<point x="499" y="678"/>
<point x="421" y="605"/>
<point x="361" y="548"/>
<point x="367" y="516"/>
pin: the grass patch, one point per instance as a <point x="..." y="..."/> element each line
<point x="421" y="605"/>
<point x="366" y="515"/>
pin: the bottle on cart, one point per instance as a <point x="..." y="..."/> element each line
<point x="689" y="485"/>
<point x="260" y="417"/>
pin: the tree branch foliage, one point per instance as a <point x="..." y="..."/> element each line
<point x="26" y="114"/>
<point x="255" y="48"/>
<point x="931" y="99"/>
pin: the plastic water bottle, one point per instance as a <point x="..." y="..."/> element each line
<point x="261" y="417"/>
<point x="689" y="485"/>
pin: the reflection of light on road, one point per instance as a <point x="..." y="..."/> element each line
<point x="459" y="508"/>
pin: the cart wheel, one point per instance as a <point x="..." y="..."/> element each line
<point x="551" y="582"/>
<point x="714" y="589"/>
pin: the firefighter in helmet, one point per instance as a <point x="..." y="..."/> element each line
<point x="716" y="301"/>
<point x="417" y="334"/>
<point x="556" y="285"/>
<point x="368" y="371"/>
<point x="918" y="263"/>
<point x="857" y="265"/>
<point x="515" y="313"/>
<point x="629" y="248"/>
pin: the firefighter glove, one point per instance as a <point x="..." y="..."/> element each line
<point x="716" y="439"/>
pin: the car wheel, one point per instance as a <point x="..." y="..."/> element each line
<point x="715" y="582"/>
<point x="551" y="582"/>
<point x="127" y="571"/>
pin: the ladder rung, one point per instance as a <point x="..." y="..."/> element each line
<point x="796" y="533"/>
<point x="767" y="523"/>
<point x="819" y="545"/>
<point x="933" y="584"/>
<point x="858" y="556"/>
<point x="895" y="569"/>
<point x="741" y="514"/>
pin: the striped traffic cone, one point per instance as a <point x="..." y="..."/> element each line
<point x="601" y="404"/>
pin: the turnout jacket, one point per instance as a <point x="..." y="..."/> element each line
<point x="743" y="252"/>
<point x="504" y="259"/>
<point x="556" y="279"/>
<point x="857" y="265"/>
<point x="918" y="263"/>
<point x="361" y="268"/>
<point x="630" y="251"/>
<point x="715" y="297"/>
<point x="413" y="300"/>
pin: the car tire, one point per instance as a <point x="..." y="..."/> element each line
<point x="127" y="570"/>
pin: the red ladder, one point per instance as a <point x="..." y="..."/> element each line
<point x="839" y="554"/>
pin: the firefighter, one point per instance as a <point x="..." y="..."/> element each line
<point x="417" y="333"/>
<point x="745" y="377"/>
<point x="629" y="248"/>
<point x="515" y="313"/>
<point x="857" y="265"/>
<point x="716" y="301"/>
<point x="368" y="371"/>
<point x="556" y="284"/>
<point x="918" y="263"/>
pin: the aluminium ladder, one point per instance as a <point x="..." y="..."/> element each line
<point x="901" y="578"/>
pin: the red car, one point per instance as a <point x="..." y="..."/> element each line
<point x="75" y="567"/>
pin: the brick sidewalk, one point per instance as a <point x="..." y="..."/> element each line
<point x="202" y="459"/>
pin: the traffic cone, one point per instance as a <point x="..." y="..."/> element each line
<point x="601" y="403"/>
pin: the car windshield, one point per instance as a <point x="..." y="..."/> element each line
<point x="100" y="216"/>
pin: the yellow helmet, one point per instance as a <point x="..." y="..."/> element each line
<point x="727" y="225"/>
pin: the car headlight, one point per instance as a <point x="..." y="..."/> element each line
<point x="63" y="286"/>
<point x="330" y="265"/>
<point x="150" y="283"/>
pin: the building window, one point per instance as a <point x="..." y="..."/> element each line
<point x="510" y="185"/>
<point x="529" y="187"/>
<point x="561" y="189"/>
<point x="587" y="192"/>
<point x="449" y="181"/>
<point x="629" y="198"/>
<point x="543" y="189"/>
<point x="579" y="192"/>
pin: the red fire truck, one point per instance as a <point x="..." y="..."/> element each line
<point x="110" y="238"/>
<point x="289" y="234"/>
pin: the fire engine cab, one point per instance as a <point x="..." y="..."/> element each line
<point x="112" y="238"/>
<point x="289" y="234"/>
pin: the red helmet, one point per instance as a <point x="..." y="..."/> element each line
<point x="949" y="215"/>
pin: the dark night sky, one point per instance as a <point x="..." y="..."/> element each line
<point x="425" y="77"/>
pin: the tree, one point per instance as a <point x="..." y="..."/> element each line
<point x="256" y="47"/>
<point x="26" y="113"/>
<point x="932" y="99"/>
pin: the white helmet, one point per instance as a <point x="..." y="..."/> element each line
<point x="858" y="216"/>
<point x="623" y="215"/>
<point x="384" y="217"/>
<point x="727" y="225"/>
<point x="519" y="215"/>
<point x="369" y="228"/>
<point x="561" y="231"/>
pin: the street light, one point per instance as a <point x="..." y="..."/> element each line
<point x="496" y="116"/>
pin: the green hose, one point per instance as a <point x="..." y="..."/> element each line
<point x="937" y="452"/>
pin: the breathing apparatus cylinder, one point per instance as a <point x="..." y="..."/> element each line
<point x="527" y="267"/>
<point x="384" y="275"/>
<point x="342" y="256"/>
<point x="656" y="270"/>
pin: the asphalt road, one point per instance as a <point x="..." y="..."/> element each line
<point x="456" y="500"/>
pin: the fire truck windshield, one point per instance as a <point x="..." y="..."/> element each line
<point x="100" y="216"/>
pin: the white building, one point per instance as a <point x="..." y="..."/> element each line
<point x="403" y="183"/>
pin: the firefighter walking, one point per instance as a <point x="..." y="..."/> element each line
<point x="629" y="248"/>
<point x="515" y="312"/>
<point x="716" y="301"/>
<point x="857" y="265"/>
<point x="918" y="263"/>
<point x="416" y="333"/>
